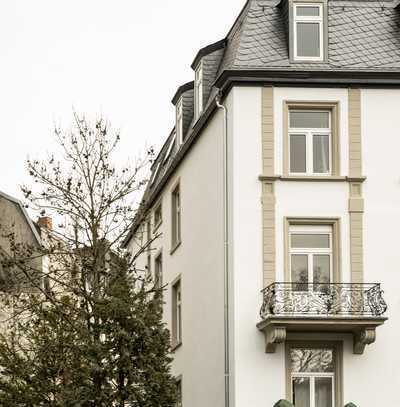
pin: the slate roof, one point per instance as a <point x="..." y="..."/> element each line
<point x="363" y="36"/>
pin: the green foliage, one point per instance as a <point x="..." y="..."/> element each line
<point x="92" y="335"/>
<point x="118" y="354"/>
<point x="283" y="403"/>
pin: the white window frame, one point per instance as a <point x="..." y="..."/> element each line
<point x="309" y="19"/>
<point x="311" y="252"/>
<point x="310" y="133"/>
<point x="179" y="121"/>
<point x="176" y="313"/>
<point x="312" y="376"/>
<point x="179" y="313"/>
<point x="176" y="221"/>
<point x="198" y="91"/>
<point x="158" y="270"/>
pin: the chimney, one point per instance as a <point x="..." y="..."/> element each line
<point x="46" y="222"/>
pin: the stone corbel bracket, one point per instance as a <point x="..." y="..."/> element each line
<point x="363" y="338"/>
<point x="363" y="331"/>
<point x="274" y="335"/>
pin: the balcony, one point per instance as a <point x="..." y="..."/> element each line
<point x="338" y="308"/>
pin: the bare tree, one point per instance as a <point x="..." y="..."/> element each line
<point x="86" y="324"/>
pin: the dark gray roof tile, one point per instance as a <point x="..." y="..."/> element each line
<point x="360" y="34"/>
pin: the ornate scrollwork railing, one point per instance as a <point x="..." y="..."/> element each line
<point x="319" y="299"/>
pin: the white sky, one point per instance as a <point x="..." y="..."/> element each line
<point x="123" y="59"/>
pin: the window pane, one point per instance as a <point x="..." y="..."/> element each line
<point x="312" y="360"/>
<point x="310" y="241"/>
<point x="321" y="272"/>
<point x="304" y="119"/>
<point x="307" y="11"/>
<point x="301" y="391"/>
<point x="321" y="154"/>
<point x="323" y="391"/>
<point x="298" y="153"/>
<point x="299" y="269"/>
<point x="308" y="40"/>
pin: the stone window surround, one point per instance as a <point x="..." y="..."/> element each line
<point x="176" y="234"/>
<point x="336" y="242"/>
<point x="175" y="341"/>
<point x="337" y="346"/>
<point x="334" y="108"/>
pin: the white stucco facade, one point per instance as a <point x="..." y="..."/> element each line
<point x="198" y="262"/>
<point x="258" y="378"/>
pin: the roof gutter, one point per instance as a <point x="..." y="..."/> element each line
<point x="227" y="370"/>
<point x="341" y="78"/>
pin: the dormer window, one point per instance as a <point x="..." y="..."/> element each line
<point x="198" y="91"/>
<point x="308" y="31"/>
<point x="179" y="121"/>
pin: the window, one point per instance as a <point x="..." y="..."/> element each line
<point x="176" y="314"/>
<point x="176" y="217"/>
<point x="179" y="121"/>
<point x="157" y="216"/>
<point x="198" y="91"/>
<point x="310" y="142"/>
<point x="158" y="271"/>
<point x="308" y="29"/>
<point x="311" y="262"/>
<point x="179" y="393"/>
<point x="313" y="374"/>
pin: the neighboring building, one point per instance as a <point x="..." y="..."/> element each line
<point x="308" y="93"/>
<point x="15" y="220"/>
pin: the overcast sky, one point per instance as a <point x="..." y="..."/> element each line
<point x="123" y="59"/>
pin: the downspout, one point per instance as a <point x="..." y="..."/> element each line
<point x="226" y="251"/>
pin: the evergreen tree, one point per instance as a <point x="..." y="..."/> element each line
<point x="85" y="329"/>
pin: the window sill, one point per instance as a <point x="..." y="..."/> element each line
<point x="175" y="247"/>
<point x="311" y="178"/>
<point x="176" y="346"/>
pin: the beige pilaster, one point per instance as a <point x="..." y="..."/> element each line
<point x="269" y="261"/>
<point x="355" y="145"/>
<point x="268" y="131"/>
<point x="356" y="211"/>
<point x="356" y="201"/>
<point x="268" y="187"/>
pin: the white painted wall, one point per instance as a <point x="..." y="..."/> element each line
<point x="199" y="262"/>
<point x="257" y="378"/>
<point x="373" y="378"/>
<point x="260" y="378"/>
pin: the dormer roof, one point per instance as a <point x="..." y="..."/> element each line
<point x="363" y="35"/>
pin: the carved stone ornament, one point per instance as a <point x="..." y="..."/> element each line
<point x="363" y="338"/>
<point x="273" y="336"/>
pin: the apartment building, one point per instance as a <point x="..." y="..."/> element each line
<point x="275" y="201"/>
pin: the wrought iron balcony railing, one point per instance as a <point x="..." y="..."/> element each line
<point x="319" y="299"/>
